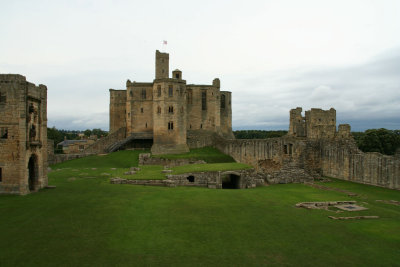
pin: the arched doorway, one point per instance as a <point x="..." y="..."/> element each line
<point x="32" y="173"/>
<point x="230" y="181"/>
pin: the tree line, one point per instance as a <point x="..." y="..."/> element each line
<point x="373" y="140"/>
<point x="258" y="134"/>
<point x="58" y="135"/>
<point x="378" y="140"/>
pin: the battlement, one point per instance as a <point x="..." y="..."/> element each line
<point x="4" y="78"/>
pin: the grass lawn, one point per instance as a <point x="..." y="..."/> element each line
<point x="116" y="164"/>
<point x="86" y="221"/>
<point x="208" y="154"/>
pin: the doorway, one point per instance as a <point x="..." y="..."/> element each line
<point x="230" y="181"/>
<point x="32" y="173"/>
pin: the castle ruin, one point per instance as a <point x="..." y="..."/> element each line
<point x="163" y="113"/>
<point x="23" y="135"/>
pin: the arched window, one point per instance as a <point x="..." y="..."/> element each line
<point x="171" y="109"/>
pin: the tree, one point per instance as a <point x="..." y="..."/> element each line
<point x="378" y="140"/>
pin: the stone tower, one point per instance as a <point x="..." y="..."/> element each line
<point x="162" y="65"/>
<point x="169" y="109"/>
<point x="23" y="135"/>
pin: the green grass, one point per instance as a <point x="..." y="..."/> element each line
<point x="208" y="154"/>
<point x="210" y="167"/>
<point x="116" y="164"/>
<point x="86" y="221"/>
<point x="120" y="159"/>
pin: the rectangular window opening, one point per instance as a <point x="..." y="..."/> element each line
<point x="3" y="133"/>
<point x="1" y="174"/>
<point x="143" y="93"/>
<point x="2" y="98"/>
<point x="204" y="100"/>
<point x="170" y="91"/>
<point x="170" y="125"/>
<point x="222" y="101"/>
<point x="189" y="96"/>
<point x="158" y="90"/>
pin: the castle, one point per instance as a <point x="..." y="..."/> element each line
<point x="166" y="110"/>
<point x="23" y="135"/>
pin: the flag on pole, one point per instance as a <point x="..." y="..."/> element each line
<point x="164" y="42"/>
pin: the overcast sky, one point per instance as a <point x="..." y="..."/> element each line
<point x="273" y="55"/>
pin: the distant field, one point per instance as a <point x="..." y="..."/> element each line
<point x="86" y="221"/>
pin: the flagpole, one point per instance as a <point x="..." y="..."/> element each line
<point x="164" y="45"/>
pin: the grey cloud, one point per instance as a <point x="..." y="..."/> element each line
<point x="368" y="95"/>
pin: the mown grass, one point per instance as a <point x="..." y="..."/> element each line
<point x="86" y="221"/>
<point x="208" y="154"/>
<point x="118" y="163"/>
<point x="210" y="167"/>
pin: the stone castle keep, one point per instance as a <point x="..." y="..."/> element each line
<point x="167" y="109"/>
<point x="23" y="135"/>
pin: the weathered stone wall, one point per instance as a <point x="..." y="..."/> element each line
<point x="226" y="114"/>
<point x="169" y="116"/>
<point x="246" y="179"/>
<point x="139" y="107"/>
<point x="316" y="123"/>
<point x="283" y="160"/>
<point x="342" y="159"/>
<point x="23" y="135"/>
<point x="117" y="109"/>
<point x="199" y="139"/>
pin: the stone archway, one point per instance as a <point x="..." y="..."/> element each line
<point x="230" y="180"/>
<point x="33" y="178"/>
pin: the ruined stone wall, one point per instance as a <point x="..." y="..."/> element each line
<point x="226" y="114"/>
<point x="342" y="159"/>
<point x="117" y="109"/>
<point x="316" y="123"/>
<point x="247" y="179"/>
<point x="281" y="159"/>
<point x="23" y="135"/>
<point x="320" y="123"/>
<point x="297" y="124"/>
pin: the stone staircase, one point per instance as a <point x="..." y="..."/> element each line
<point x="121" y="143"/>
